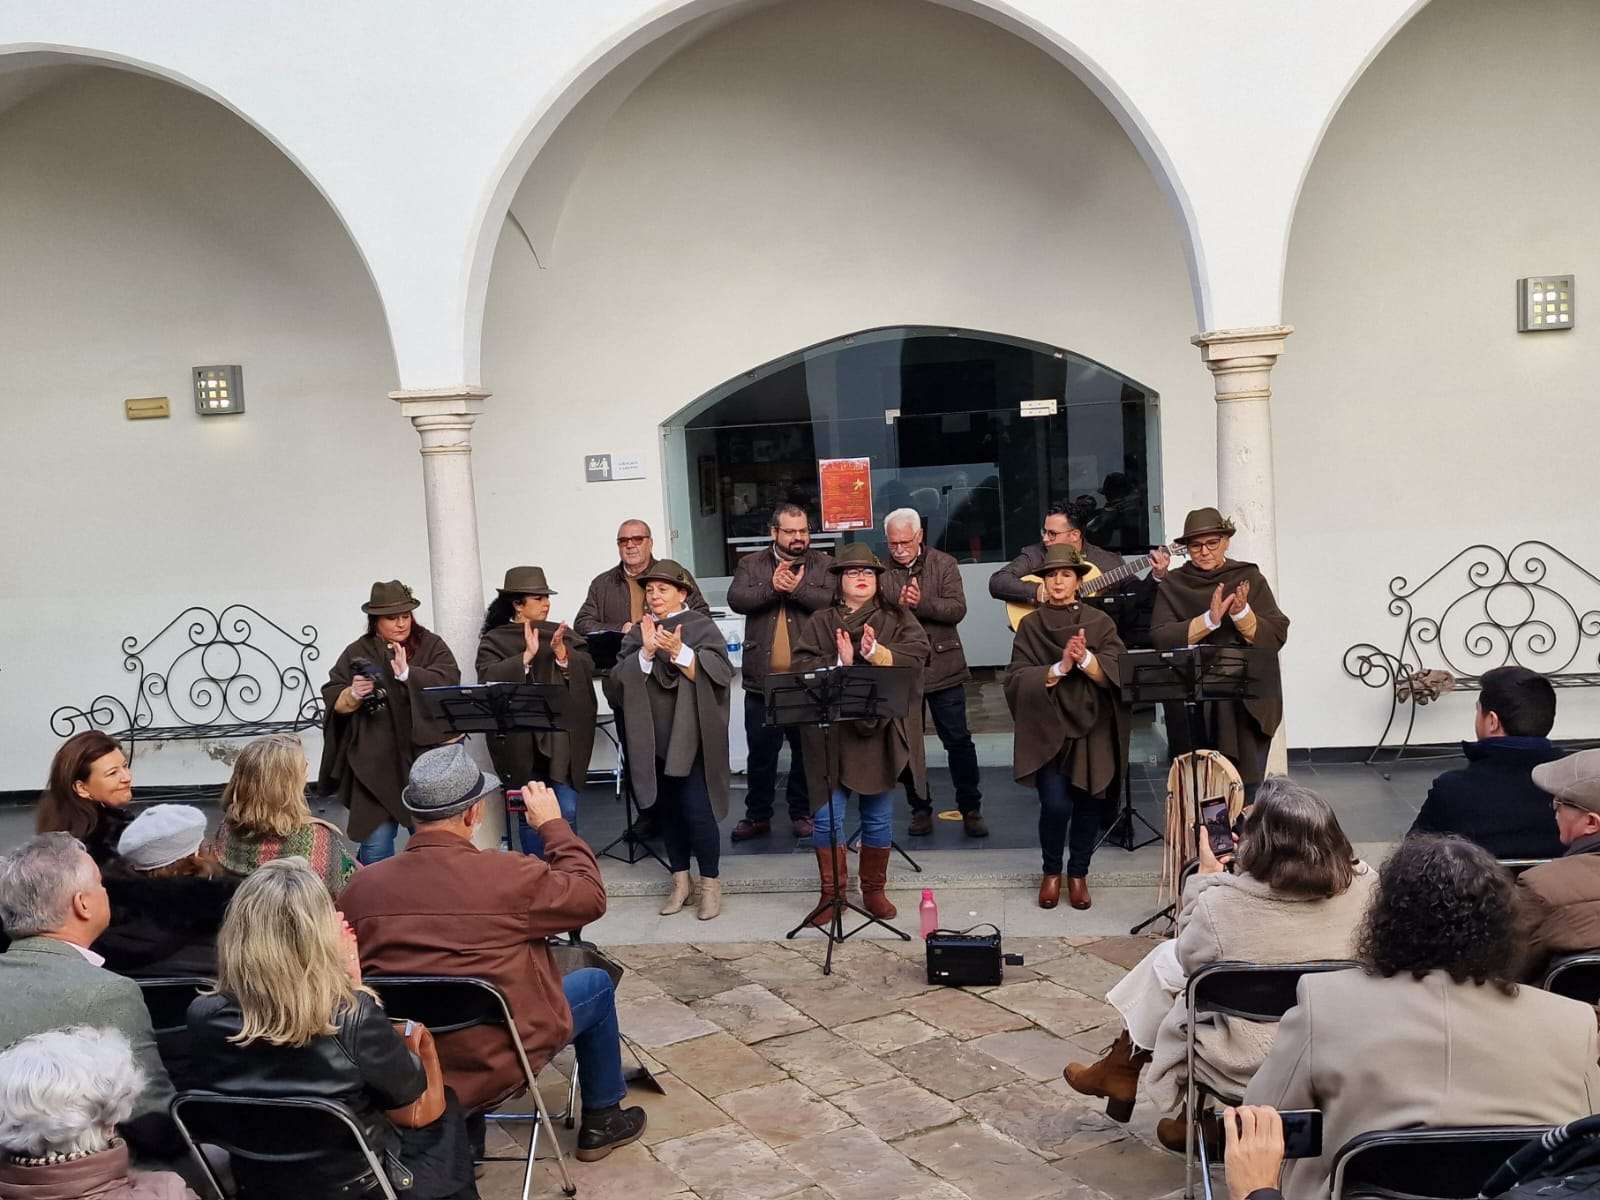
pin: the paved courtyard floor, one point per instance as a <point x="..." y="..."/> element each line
<point x="782" y="1084"/>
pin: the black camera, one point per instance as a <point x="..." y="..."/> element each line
<point x="377" y="700"/>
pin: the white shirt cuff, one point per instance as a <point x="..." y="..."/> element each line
<point x="1055" y="670"/>
<point x="1088" y="660"/>
<point x="1243" y="612"/>
<point x="402" y="676"/>
<point x="684" y="657"/>
<point x="644" y="661"/>
<point x="1210" y="624"/>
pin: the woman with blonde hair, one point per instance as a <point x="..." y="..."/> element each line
<point x="289" y="1016"/>
<point x="265" y="815"/>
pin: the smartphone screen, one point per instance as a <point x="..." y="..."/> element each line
<point x="1214" y="813"/>
<point x="1302" y="1133"/>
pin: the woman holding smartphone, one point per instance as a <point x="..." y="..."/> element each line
<point x="1061" y="688"/>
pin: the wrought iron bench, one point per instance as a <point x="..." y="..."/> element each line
<point x="1531" y="606"/>
<point x="207" y="676"/>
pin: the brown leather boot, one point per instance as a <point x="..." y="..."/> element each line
<point x="1078" y="891"/>
<point x="834" y="869"/>
<point x="874" y="875"/>
<point x="1050" y="891"/>
<point x="1115" y="1076"/>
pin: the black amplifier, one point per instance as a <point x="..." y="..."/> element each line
<point x="967" y="959"/>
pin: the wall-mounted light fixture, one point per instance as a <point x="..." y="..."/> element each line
<point x="1546" y="302"/>
<point x="218" y="390"/>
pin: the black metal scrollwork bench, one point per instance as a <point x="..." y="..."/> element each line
<point x="1531" y="606"/>
<point x="207" y="676"/>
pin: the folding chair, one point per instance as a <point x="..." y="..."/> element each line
<point x="1450" y="1163"/>
<point x="1576" y="976"/>
<point x="167" y="1001"/>
<point x="1518" y="865"/>
<point x="277" y="1131"/>
<point x="1252" y="992"/>
<point x="449" y="1004"/>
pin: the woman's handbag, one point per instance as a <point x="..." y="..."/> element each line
<point x="575" y="954"/>
<point x="428" y="1107"/>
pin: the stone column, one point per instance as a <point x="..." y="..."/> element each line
<point x="1240" y="362"/>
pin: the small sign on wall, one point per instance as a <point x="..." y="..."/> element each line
<point x="612" y="466"/>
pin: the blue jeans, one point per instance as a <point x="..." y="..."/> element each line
<point x="1069" y="820"/>
<point x="595" y="1037"/>
<point x="567" y="797"/>
<point x="379" y="844"/>
<point x="876" y="820"/>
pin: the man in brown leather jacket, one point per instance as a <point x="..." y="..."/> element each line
<point x="776" y="590"/>
<point x="1562" y="897"/>
<point x="928" y="582"/>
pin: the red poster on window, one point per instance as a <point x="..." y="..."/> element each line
<point x="846" y="493"/>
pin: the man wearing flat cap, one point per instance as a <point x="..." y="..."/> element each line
<point x="1213" y="600"/>
<point x="1563" y="897"/>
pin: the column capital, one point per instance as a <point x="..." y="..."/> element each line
<point x="461" y="401"/>
<point x="1261" y="341"/>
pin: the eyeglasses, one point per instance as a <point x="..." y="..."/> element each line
<point x="894" y="545"/>
<point x="1208" y="544"/>
<point x="803" y="531"/>
<point x="858" y="572"/>
<point x="632" y="541"/>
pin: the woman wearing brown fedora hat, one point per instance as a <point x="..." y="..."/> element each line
<point x="520" y="644"/>
<point x="1214" y="600"/>
<point x="1061" y="688"/>
<point x="864" y="758"/>
<point x="376" y="723"/>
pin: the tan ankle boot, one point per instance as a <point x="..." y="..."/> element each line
<point x="679" y="895"/>
<point x="1115" y="1076"/>
<point x="710" y="899"/>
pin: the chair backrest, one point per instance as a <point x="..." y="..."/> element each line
<point x="168" y="1000"/>
<point x="280" y="1131"/>
<point x="1253" y="991"/>
<point x="1518" y="865"/>
<point x="1576" y="976"/>
<point x="1450" y="1163"/>
<point x="448" y="1004"/>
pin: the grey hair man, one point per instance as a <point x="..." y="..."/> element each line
<point x="53" y="906"/>
<point x="928" y="582"/>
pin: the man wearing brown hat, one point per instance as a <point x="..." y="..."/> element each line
<point x="1563" y="896"/>
<point x="616" y="597"/>
<point x="1213" y="600"/>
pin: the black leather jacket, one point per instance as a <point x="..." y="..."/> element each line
<point x="365" y="1066"/>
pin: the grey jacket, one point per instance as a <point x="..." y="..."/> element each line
<point x="47" y="984"/>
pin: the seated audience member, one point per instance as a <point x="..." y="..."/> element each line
<point x="62" y="1095"/>
<point x="1299" y="893"/>
<point x="1492" y="800"/>
<point x="406" y="912"/>
<point x="87" y="794"/>
<point x="1253" y="1152"/>
<point x="53" y="904"/>
<point x="290" y="1017"/>
<point x="1562" y="898"/>
<point x="1432" y="1030"/>
<point x="168" y="896"/>
<point x="265" y="815"/>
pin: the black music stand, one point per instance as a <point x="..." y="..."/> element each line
<point x="636" y="846"/>
<point x="822" y="698"/>
<point x="1193" y="676"/>
<point x="500" y="708"/>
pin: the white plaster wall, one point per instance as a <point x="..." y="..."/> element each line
<point x="145" y="230"/>
<point x="806" y="172"/>
<point x="1410" y="418"/>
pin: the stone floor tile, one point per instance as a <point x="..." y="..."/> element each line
<point x="752" y="1013"/>
<point x="1125" y="951"/>
<point x="950" y="1068"/>
<point x="692" y="976"/>
<point x="727" y="1164"/>
<point x="730" y="951"/>
<point x="1058" y="1009"/>
<point x="1041" y="1120"/>
<point x="777" y="965"/>
<point x="634" y="985"/>
<point x="1128" y="1170"/>
<point x="643" y="955"/>
<point x="963" y="1015"/>
<point x="892" y="1031"/>
<point x="897" y="1107"/>
<point x="825" y="1062"/>
<point x="833" y="1001"/>
<point x="1037" y="1054"/>
<point x="656" y="1021"/>
<point x="853" y="1164"/>
<point x="680" y="1112"/>
<point x="981" y="1163"/>
<point x="625" y="1174"/>
<point x="718" y="1063"/>
<point x="1036" y="950"/>
<point x="1083" y="972"/>
<point x="886" y="974"/>
<point x="783" y="1112"/>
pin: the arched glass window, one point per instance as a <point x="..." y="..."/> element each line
<point x="978" y="432"/>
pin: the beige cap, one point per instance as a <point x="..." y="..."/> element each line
<point x="1574" y="779"/>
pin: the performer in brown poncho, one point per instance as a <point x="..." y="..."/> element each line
<point x="376" y="722"/>
<point x="1214" y="600"/>
<point x="861" y="757"/>
<point x="672" y="677"/>
<point x="1061" y="687"/>
<point x="520" y="644"/>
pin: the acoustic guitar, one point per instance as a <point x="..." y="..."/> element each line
<point x="1095" y="581"/>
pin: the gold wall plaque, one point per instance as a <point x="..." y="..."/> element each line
<point x="144" y="408"/>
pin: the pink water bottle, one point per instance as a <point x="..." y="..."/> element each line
<point x="929" y="911"/>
